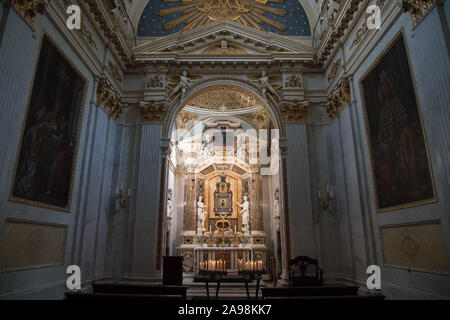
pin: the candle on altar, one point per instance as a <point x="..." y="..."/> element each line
<point x="235" y="229"/>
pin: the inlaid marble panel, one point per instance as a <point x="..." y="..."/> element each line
<point x="28" y="244"/>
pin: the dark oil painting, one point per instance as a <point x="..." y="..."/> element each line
<point x="399" y="155"/>
<point x="45" y="165"/>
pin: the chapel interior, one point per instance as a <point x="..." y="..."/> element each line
<point x="283" y="148"/>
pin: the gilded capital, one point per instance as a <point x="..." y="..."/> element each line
<point x="108" y="98"/>
<point x="29" y="9"/>
<point x="339" y="98"/>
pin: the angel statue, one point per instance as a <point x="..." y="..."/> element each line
<point x="169" y="209"/>
<point x="264" y="85"/>
<point x="245" y="213"/>
<point x="183" y="85"/>
<point x="276" y="210"/>
<point x="201" y="215"/>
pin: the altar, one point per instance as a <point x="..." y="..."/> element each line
<point x="222" y="213"/>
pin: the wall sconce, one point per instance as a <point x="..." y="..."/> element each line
<point x="122" y="198"/>
<point x="325" y="202"/>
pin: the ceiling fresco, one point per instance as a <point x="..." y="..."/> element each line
<point x="164" y="17"/>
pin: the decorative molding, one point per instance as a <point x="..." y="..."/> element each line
<point x="339" y="98"/>
<point x="88" y="36"/>
<point x="29" y="9"/>
<point x="184" y="118"/>
<point x="417" y="9"/>
<point x="114" y="71"/>
<point x="293" y="81"/>
<point x="155" y="82"/>
<point x="261" y="118"/>
<point x="108" y="98"/>
<point x="334" y="69"/>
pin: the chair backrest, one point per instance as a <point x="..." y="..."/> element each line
<point x="304" y="263"/>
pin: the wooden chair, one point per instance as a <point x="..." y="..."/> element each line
<point x="310" y="273"/>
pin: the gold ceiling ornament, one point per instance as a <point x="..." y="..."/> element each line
<point x="417" y="8"/>
<point x="153" y="110"/>
<point x="184" y="118"/>
<point x="108" y="98"/>
<point x="294" y="111"/>
<point x="29" y="9"/>
<point x="223" y="98"/>
<point x="339" y="98"/>
<point x="196" y="13"/>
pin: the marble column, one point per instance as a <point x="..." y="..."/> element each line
<point x="147" y="200"/>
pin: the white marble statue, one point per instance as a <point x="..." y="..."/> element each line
<point x="201" y="215"/>
<point x="276" y="210"/>
<point x="245" y="214"/>
<point x="240" y="146"/>
<point x="183" y="85"/>
<point x="169" y="209"/>
<point x="264" y="85"/>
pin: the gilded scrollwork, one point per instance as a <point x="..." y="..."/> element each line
<point x="29" y="9"/>
<point x="108" y="98"/>
<point x="339" y="98"/>
<point x="334" y="69"/>
<point x="114" y="71"/>
<point x="417" y="8"/>
<point x="293" y="81"/>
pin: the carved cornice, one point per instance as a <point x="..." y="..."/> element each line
<point x="337" y="28"/>
<point x="418" y="8"/>
<point x="339" y="98"/>
<point x="108" y="98"/>
<point x="294" y="111"/>
<point x="153" y="111"/>
<point x="29" y="9"/>
<point x="112" y="31"/>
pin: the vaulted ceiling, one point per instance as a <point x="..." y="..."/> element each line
<point x="158" y="18"/>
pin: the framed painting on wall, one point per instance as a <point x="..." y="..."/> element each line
<point x="398" y="152"/>
<point x="47" y="152"/>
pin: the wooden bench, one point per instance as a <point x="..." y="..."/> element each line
<point x="364" y="298"/>
<point x="322" y="291"/>
<point x="79" y="296"/>
<point x="139" y="289"/>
